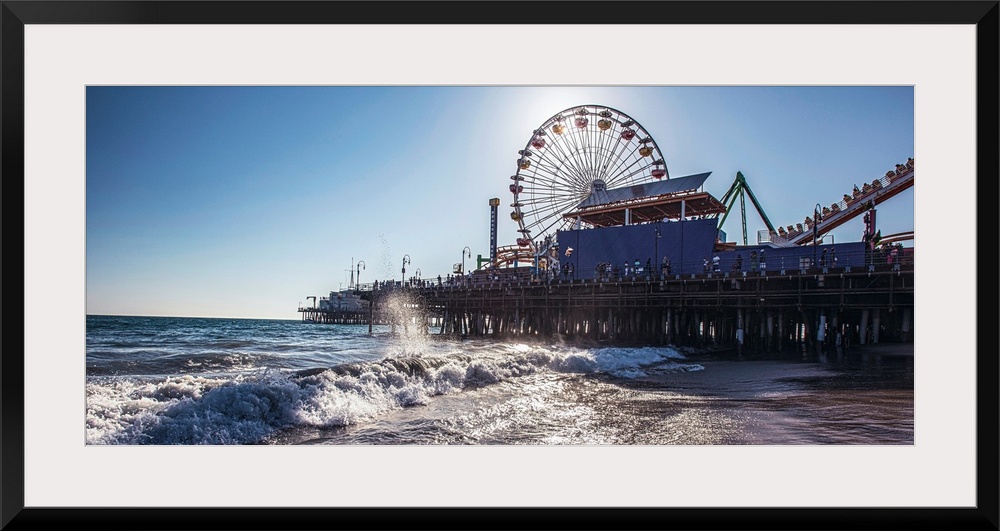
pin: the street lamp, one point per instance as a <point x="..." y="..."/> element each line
<point x="465" y="252"/>
<point x="816" y="219"/>
<point x="361" y="265"/>
<point x="656" y="251"/>
<point x="406" y="260"/>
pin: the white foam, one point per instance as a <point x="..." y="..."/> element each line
<point x="249" y="408"/>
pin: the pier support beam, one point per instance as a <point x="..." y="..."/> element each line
<point x="863" y="329"/>
<point x="905" y="327"/>
<point x="876" y="324"/>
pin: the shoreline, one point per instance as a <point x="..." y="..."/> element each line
<point x="725" y="373"/>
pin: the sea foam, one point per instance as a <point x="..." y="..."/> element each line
<point x="250" y="408"/>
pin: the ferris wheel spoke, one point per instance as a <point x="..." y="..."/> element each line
<point x="543" y="227"/>
<point x="641" y="166"/>
<point x="587" y="152"/>
<point x="547" y="210"/>
<point x="596" y="152"/>
<point x="618" y="155"/>
<point x="603" y="150"/>
<point x="566" y="161"/>
<point x="547" y="206"/>
<point x="574" y="146"/>
<point x="534" y="192"/>
<point x="625" y="173"/>
<point x="551" y="164"/>
<point x="617" y="145"/>
<point x="544" y="205"/>
<point x="630" y="152"/>
<point x="571" y="182"/>
<point x="536" y="196"/>
<point x="544" y="189"/>
<point x="578" y="141"/>
<point x="553" y="173"/>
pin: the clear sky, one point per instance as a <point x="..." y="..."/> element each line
<point x="241" y="201"/>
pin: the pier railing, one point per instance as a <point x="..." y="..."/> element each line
<point x="894" y="258"/>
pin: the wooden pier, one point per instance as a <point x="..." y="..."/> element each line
<point x="317" y="315"/>
<point x="748" y="310"/>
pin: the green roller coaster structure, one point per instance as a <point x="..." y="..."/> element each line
<point x="740" y="189"/>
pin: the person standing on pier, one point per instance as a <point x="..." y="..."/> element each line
<point x="715" y="263"/>
<point x="705" y="265"/>
<point x="753" y="261"/>
<point x="763" y="264"/>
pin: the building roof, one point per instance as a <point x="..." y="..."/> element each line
<point x="677" y="198"/>
<point x="640" y="191"/>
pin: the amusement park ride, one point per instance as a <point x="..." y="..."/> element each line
<point x="592" y="166"/>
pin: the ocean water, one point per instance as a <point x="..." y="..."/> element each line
<point x="196" y="381"/>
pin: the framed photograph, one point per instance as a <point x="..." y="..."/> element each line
<point x="166" y="378"/>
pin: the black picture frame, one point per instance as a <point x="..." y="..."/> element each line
<point x="14" y="15"/>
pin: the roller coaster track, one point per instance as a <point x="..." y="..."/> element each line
<point x="509" y="255"/>
<point x="873" y="194"/>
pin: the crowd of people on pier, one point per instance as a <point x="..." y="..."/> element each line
<point x="758" y="262"/>
<point x="894" y="255"/>
<point x="635" y="270"/>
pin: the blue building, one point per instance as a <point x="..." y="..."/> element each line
<point x="673" y="220"/>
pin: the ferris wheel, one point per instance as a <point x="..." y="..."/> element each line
<point x="574" y="153"/>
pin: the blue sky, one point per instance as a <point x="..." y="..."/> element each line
<point x="239" y="201"/>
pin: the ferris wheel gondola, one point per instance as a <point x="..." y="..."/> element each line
<point x="574" y="153"/>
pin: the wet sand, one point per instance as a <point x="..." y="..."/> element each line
<point x="864" y="396"/>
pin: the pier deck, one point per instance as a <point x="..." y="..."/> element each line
<point x="859" y="304"/>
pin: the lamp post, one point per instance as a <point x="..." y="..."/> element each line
<point x="465" y="251"/>
<point x="816" y="220"/>
<point x="361" y="265"/>
<point x="656" y="252"/>
<point x="406" y="260"/>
